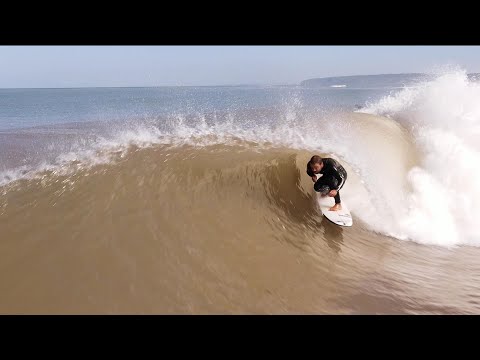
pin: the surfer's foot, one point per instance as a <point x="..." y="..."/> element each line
<point x="336" y="207"/>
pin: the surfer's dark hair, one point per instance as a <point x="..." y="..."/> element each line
<point x="314" y="160"/>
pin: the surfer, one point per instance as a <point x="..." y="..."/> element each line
<point x="332" y="180"/>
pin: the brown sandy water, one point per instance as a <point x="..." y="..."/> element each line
<point x="222" y="229"/>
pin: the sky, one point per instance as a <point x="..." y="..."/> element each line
<point x="118" y="66"/>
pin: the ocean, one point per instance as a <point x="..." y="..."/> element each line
<point x="195" y="200"/>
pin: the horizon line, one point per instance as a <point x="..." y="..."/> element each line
<point x="192" y="86"/>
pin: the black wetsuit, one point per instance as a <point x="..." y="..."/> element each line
<point x="334" y="176"/>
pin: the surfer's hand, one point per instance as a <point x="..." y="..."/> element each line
<point x="333" y="193"/>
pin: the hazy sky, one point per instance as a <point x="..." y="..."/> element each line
<point x="72" y="66"/>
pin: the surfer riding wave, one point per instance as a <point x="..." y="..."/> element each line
<point x="332" y="180"/>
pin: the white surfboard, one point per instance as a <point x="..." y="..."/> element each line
<point x="340" y="217"/>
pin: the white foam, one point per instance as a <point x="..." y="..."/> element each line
<point x="444" y="116"/>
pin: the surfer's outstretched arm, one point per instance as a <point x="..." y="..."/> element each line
<point x="339" y="174"/>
